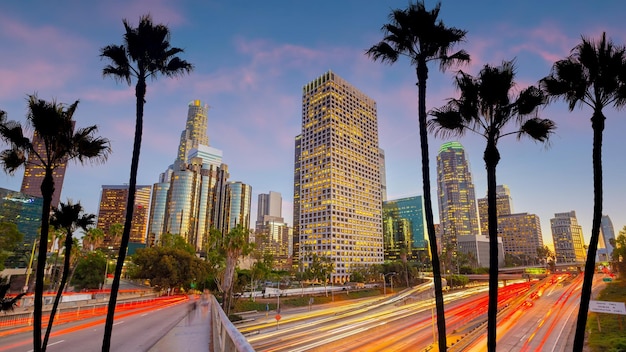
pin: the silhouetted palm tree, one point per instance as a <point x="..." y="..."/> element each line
<point x="93" y="238"/>
<point x="69" y="218"/>
<point x="53" y="125"/>
<point x="418" y="34"/>
<point x="487" y="107"/>
<point x="148" y="47"/>
<point x="593" y="75"/>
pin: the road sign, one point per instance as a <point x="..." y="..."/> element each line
<point x="607" y="279"/>
<point x="277" y="317"/>
<point x="607" y="307"/>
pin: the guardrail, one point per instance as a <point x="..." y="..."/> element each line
<point x="225" y="336"/>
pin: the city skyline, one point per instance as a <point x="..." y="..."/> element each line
<point x="252" y="76"/>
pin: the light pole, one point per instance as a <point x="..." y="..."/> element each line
<point x="385" y="282"/>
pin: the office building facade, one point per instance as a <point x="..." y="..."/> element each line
<point x="458" y="214"/>
<point x="112" y="210"/>
<point x="404" y="229"/>
<point x="607" y="233"/>
<point x="340" y="201"/>
<point x="521" y="236"/>
<point x="239" y="198"/>
<point x="24" y="211"/>
<point x="567" y="236"/>
<point x="504" y="206"/>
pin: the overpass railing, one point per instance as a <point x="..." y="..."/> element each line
<point x="225" y="336"/>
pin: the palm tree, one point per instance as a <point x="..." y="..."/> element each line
<point x="68" y="217"/>
<point x="418" y="34"/>
<point x="593" y="75"/>
<point x="115" y="233"/>
<point x="93" y="238"/>
<point x="234" y="244"/>
<point x="53" y="125"/>
<point x="486" y="107"/>
<point x="148" y="46"/>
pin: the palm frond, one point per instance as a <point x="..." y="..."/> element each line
<point x="447" y="122"/>
<point x="538" y="129"/>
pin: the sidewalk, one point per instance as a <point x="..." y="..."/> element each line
<point x="192" y="333"/>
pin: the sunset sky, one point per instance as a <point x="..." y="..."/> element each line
<point x="253" y="57"/>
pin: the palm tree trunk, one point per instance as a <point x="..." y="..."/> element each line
<point x="47" y="188"/>
<point x="140" y="93"/>
<point x="57" y="298"/>
<point x="597" y="122"/>
<point x="422" y="76"/>
<point x="492" y="157"/>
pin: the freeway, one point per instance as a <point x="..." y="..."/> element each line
<point x="134" y="330"/>
<point x="381" y="324"/>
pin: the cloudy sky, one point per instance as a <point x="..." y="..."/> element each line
<point x="253" y="57"/>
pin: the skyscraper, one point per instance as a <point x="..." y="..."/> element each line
<point x="112" y="210"/>
<point x="340" y="201"/>
<point x="195" y="132"/>
<point x="239" y="198"/>
<point x="607" y="232"/>
<point x="296" y="202"/>
<point x="34" y="173"/>
<point x="567" y="236"/>
<point x="189" y="198"/>
<point x="504" y="206"/>
<point x="457" y="202"/>
<point x="404" y="228"/>
<point x="272" y="235"/>
<point x="521" y="236"/>
<point x="269" y="204"/>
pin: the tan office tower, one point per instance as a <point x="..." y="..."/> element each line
<point x="112" y="210"/>
<point x="340" y="212"/>
<point x="35" y="172"/>
<point x="567" y="236"/>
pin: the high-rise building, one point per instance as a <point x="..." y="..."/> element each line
<point x="273" y="236"/>
<point x="477" y="248"/>
<point x="404" y="229"/>
<point x="189" y="198"/>
<point x="112" y="210"/>
<point x="269" y="204"/>
<point x="195" y="132"/>
<point x="24" y="211"/>
<point x="340" y="201"/>
<point x="34" y="173"/>
<point x="521" y="236"/>
<point x="607" y="232"/>
<point x="295" y="240"/>
<point x="239" y="198"/>
<point x="567" y="235"/>
<point x="457" y="202"/>
<point x="504" y="206"/>
<point x="383" y="175"/>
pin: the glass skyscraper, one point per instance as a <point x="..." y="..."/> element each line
<point x="239" y="202"/>
<point x="404" y="227"/>
<point x="567" y="236"/>
<point x="339" y="188"/>
<point x="458" y="213"/>
<point x="24" y="211"/>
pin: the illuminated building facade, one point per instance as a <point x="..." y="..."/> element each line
<point x="112" y="210"/>
<point x="239" y="198"/>
<point x="458" y="214"/>
<point x="404" y="229"/>
<point x="567" y="237"/>
<point x="340" y="201"/>
<point x="521" y="236"/>
<point x="34" y="173"/>
<point x="295" y="240"/>
<point x="504" y="206"/>
<point x="195" y="132"/>
<point x="24" y="211"/>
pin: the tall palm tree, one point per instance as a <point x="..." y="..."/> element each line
<point x="115" y="233"/>
<point x="93" y="238"/>
<point x="487" y="106"/>
<point x="53" y="124"/>
<point x="148" y="47"/>
<point x="68" y="217"/>
<point x="418" y="34"/>
<point x="593" y="75"/>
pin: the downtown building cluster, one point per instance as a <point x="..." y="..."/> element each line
<point x="341" y="211"/>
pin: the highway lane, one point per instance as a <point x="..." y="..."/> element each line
<point x="135" y="330"/>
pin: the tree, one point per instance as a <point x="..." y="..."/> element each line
<point x="176" y="242"/>
<point x="89" y="269"/>
<point x="593" y="75"/>
<point x="148" y="47"/>
<point x="418" y="34"/>
<point x="487" y="107"/>
<point x="115" y="233"/>
<point x="93" y="238"/>
<point x="169" y="267"/>
<point x="233" y="245"/>
<point x="10" y="236"/>
<point x="53" y="125"/>
<point x="618" y="255"/>
<point x="69" y="217"/>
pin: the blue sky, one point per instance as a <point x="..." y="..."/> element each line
<point x="251" y="60"/>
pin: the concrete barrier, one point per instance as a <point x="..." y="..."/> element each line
<point x="225" y="336"/>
